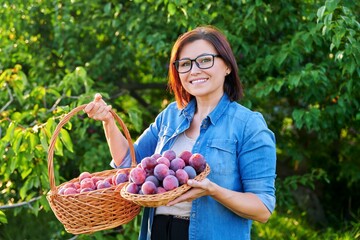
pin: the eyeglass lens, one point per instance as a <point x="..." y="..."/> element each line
<point x="202" y="62"/>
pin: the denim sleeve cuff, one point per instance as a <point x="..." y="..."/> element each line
<point x="268" y="200"/>
<point x="264" y="189"/>
<point x="126" y="163"/>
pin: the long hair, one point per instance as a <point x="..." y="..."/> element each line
<point x="232" y="84"/>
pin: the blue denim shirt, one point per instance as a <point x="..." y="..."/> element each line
<point x="240" y="150"/>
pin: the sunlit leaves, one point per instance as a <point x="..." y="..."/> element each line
<point x="135" y="118"/>
<point x="3" y="217"/>
<point x="66" y="140"/>
<point x="299" y="62"/>
<point x="76" y="82"/>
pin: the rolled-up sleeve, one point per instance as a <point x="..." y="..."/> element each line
<point x="258" y="160"/>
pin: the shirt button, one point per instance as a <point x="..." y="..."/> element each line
<point x="193" y="215"/>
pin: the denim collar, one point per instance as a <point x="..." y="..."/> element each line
<point x="189" y="111"/>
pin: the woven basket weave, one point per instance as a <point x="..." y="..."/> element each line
<point x="96" y="210"/>
<point x="160" y="199"/>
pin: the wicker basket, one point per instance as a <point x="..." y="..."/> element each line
<point x="160" y="199"/>
<point x="96" y="210"/>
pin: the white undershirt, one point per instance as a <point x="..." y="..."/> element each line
<point x="181" y="144"/>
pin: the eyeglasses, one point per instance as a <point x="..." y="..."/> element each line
<point x="203" y="61"/>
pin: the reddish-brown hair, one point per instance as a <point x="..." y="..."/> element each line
<point x="232" y="84"/>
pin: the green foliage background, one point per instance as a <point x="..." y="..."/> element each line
<point x="299" y="62"/>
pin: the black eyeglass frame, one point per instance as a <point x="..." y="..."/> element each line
<point x="176" y="63"/>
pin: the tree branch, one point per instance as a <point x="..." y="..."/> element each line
<point x="20" y="204"/>
<point x="10" y="101"/>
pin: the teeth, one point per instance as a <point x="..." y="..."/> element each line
<point x="198" y="81"/>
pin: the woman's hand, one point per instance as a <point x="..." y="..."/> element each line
<point x="199" y="189"/>
<point x="98" y="109"/>
<point x="246" y="205"/>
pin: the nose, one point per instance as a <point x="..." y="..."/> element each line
<point x="195" y="68"/>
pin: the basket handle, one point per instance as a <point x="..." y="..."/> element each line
<point x="57" y="131"/>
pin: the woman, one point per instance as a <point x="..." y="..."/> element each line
<point x="205" y="119"/>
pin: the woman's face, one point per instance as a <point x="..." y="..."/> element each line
<point x="203" y="83"/>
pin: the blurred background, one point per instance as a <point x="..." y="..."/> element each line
<point x="299" y="62"/>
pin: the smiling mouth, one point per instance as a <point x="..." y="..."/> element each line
<point x="196" y="81"/>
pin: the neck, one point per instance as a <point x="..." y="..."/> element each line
<point x="205" y="106"/>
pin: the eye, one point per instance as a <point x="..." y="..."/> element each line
<point x="184" y="63"/>
<point x="204" y="59"/>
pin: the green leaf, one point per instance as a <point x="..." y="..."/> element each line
<point x="281" y="57"/>
<point x="44" y="203"/>
<point x="25" y="172"/>
<point x="17" y="140"/>
<point x="51" y="91"/>
<point x="107" y="8"/>
<point x="171" y="9"/>
<point x="136" y="118"/>
<point x="9" y="132"/>
<point x="331" y="4"/>
<point x="278" y="85"/>
<point x="328" y="19"/>
<point x="65" y="138"/>
<point x="33" y="140"/>
<point x="294" y="80"/>
<point x="27" y="186"/>
<point x="297" y="115"/>
<point x="50" y="126"/>
<point x="13" y="162"/>
<point x="58" y="147"/>
<point x="3" y="217"/>
<point x="320" y="12"/>
<point x="44" y="138"/>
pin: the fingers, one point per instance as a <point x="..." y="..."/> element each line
<point x="101" y="112"/>
<point x="98" y="109"/>
<point x="89" y="107"/>
<point x="197" y="190"/>
<point x="97" y="97"/>
<point x="182" y="198"/>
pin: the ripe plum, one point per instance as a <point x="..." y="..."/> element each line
<point x="182" y="176"/>
<point x="185" y="155"/>
<point x="96" y="179"/>
<point x="86" y="190"/>
<point x="161" y="171"/>
<point x="103" y="184"/>
<point x="197" y="161"/>
<point x="120" y="178"/>
<point x="87" y="183"/>
<point x="161" y="190"/>
<point x="176" y="164"/>
<point x="153" y="179"/>
<point x="61" y="190"/>
<point x="156" y="155"/>
<point x="69" y="185"/>
<point x="84" y="175"/>
<point x="163" y="160"/>
<point x="169" y="154"/>
<point x="148" y="187"/>
<point x="148" y="164"/>
<point x="170" y="182"/>
<point x="70" y="190"/>
<point x="132" y="188"/>
<point x="190" y="171"/>
<point x="138" y="175"/>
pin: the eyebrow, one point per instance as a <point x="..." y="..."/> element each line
<point x="203" y="54"/>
